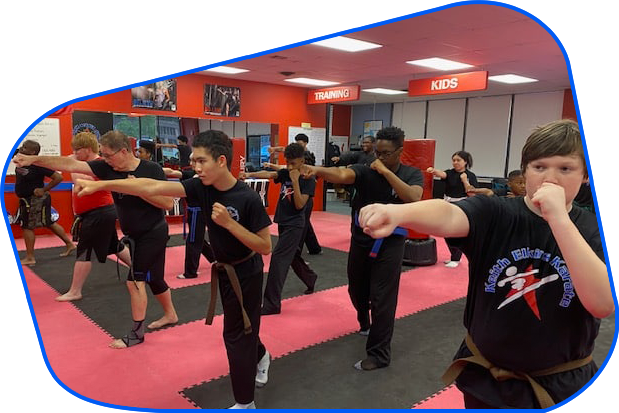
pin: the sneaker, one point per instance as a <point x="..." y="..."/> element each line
<point x="262" y="370"/>
<point x="185" y="277"/>
<point x="269" y="311"/>
<point x="314" y="252"/>
<point x="452" y="264"/>
<point x="251" y="405"/>
<point x="364" y="332"/>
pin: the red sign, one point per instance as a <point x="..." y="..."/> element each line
<point x="333" y="94"/>
<point x="455" y="83"/>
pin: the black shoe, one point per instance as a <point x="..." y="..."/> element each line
<point x="268" y="311"/>
<point x="319" y="252"/>
<point x="368" y="364"/>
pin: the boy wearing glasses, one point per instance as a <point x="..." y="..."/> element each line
<point x="374" y="267"/>
<point x="141" y="220"/>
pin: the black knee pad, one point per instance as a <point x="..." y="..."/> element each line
<point x="158" y="286"/>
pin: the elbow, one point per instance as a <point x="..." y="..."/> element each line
<point x="266" y="248"/>
<point x="603" y="310"/>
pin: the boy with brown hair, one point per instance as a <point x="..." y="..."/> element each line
<point x="538" y="285"/>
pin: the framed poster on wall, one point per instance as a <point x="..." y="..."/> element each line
<point x="370" y="127"/>
<point x="159" y="95"/>
<point x="222" y="100"/>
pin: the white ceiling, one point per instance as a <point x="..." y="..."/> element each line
<point x="492" y="38"/>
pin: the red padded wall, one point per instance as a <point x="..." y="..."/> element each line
<point x="420" y="154"/>
<point x="238" y="156"/>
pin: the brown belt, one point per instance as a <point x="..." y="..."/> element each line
<point x="500" y="374"/>
<point x="236" y="286"/>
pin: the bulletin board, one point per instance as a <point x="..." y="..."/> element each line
<point x="316" y="144"/>
<point x="47" y="134"/>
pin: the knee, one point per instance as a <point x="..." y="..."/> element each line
<point x="158" y="287"/>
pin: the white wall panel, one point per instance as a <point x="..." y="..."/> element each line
<point x="446" y="125"/>
<point x="410" y="117"/>
<point x="487" y="126"/>
<point x="531" y="110"/>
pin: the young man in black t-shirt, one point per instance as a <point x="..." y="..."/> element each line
<point x="35" y="202"/>
<point x="238" y="227"/>
<point x="374" y="269"/>
<point x="538" y="285"/>
<point x="141" y="220"/>
<point x="290" y="215"/>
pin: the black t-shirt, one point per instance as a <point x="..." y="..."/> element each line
<point x="135" y="215"/>
<point x="454" y="188"/>
<point x="522" y="311"/>
<point x="243" y="204"/>
<point x="371" y="187"/>
<point x="183" y="153"/>
<point x="29" y="178"/>
<point x="286" y="213"/>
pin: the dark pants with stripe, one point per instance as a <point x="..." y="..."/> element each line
<point x="286" y="254"/>
<point x="194" y="241"/>
<point x="373" y="285"/>
<point x="244" y="350"/>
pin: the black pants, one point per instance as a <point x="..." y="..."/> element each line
<point x="285" y="254"/>
<point x="456" y="254"/>
<point x="472" y="402"/>
<point x="244" y="350"/>
<point x="313" y="247"/>
<point x="193" y="243"/>
<point x="373" y="285"/>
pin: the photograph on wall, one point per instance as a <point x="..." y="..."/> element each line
<point x="159" y="95"/>
<point x="370" y="127"/>
<point x="222" y="100"/>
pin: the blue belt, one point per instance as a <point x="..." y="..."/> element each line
<point x="194" y="216"/>
<point x="378" y="242"/>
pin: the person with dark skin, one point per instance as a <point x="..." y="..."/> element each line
<point x="35" y="203"/>
<point x="364" y="156"/>
<point x="374" y="268"/>
<point x="296" y="191"/>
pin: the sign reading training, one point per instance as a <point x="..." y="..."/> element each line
<point x="333" y="94"/>
<point x="454" y="83"/>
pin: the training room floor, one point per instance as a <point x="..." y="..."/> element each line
<point x="313" y="341"/>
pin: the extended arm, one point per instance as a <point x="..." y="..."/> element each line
<point x="57" y="163"/>
<point x="437" y="172"/>
<point x="259" y="175"/>
<point x="333" y="174"/>
<point x="142" y="187"/>
<point x="433" y="216"/>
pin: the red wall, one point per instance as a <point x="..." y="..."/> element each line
<point x="283" y="106"/>
<point x="569" y="108"/>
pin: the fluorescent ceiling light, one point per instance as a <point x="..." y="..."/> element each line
<point x="313" y="82"/>
<point x="347" y="44"/>
<point x="511" y="79"/>
<point x="384" y="91"/>
<point x="439" y="64"/>
<point x="227" y="70"/>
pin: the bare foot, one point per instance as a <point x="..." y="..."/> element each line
<point x="163" y="321"/>
<point x="118" y="343"/>
<point x="69" y="297"/>
<point x="70" y="249"/>
<point x="28" y="261"/>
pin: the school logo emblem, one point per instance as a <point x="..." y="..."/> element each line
<point x="523" y="285"/>
<point x="233" y="213"/>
